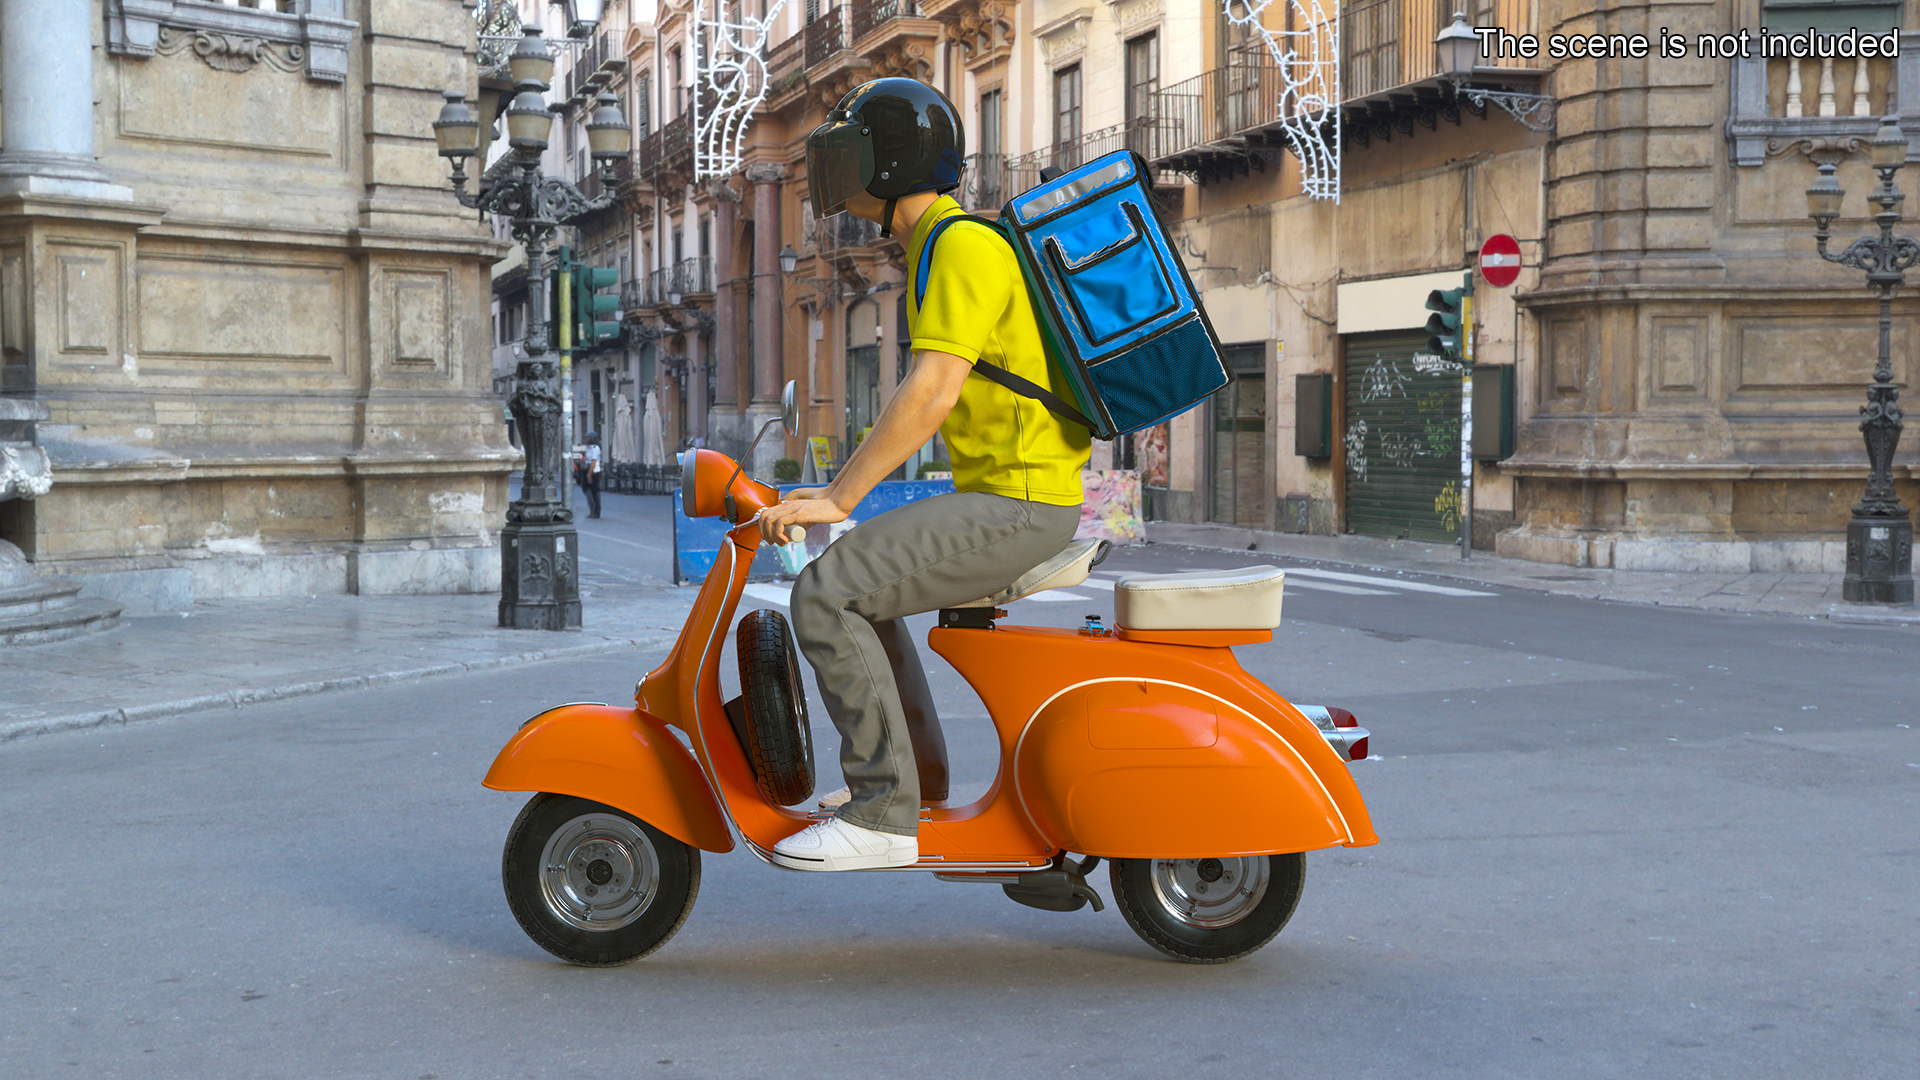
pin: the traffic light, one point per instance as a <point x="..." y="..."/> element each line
<point x="594" y="311"/>
<point x="1443" y="326"/>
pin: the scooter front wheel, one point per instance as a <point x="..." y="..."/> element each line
<point x="594" y="885"/>
<point x="1208" y="911"/>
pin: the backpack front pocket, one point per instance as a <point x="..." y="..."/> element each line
<point x="1110" y="274"/>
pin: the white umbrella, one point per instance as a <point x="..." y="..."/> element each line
<point x="653" y="447"/>
<point x="626" y="442"/>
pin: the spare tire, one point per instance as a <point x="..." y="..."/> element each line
<point x="779" y="740"/>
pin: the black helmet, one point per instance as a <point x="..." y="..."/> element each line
<point x="889" y="138"/>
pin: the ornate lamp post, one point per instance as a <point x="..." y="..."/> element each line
<point x="539" y="580"/>
<point x="1880" y="536"/>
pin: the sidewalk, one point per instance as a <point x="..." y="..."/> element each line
<point x="229" y="653"/>
<point x="1812" y="596"/>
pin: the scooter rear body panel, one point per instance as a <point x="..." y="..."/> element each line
<point x="624" y="758"/>
<point x="1153" y="750"/>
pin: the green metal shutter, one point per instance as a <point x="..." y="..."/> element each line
<point x="1402" y="437"/>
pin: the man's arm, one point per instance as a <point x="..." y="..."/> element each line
<point x="911" y="417"/>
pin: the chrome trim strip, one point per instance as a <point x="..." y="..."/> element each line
<point x="1021" y="741"/>
<point x="1342" y="739"/>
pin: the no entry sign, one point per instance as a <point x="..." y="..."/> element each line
<point x="1500" y="260"/>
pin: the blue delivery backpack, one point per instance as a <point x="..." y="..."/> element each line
<point x="1118" y="313"/>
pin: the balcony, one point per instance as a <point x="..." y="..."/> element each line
<point x="1390" y="73"/>
<point x="597" y="64"/>
<point x="816" y="42"/>
<point x="687" y="279"/>
<point x="694" y="277"/>
<point x="882" y="30"/>
<point x="1143" y="135"/>
<point x="590" y="184"/>
<point x="667" y="150"/>
<point x="1219" y="123"/>
<point x="984" y="186"/>
<point x="1209" y="125"/>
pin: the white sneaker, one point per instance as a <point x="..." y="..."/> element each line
<point x="836" y="799"/>
<point x="834" y="844"/>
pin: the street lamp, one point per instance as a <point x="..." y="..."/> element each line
<point x="539" y="549"/>
<point x="1880" y="535"/>
<point x="1456" y="50"/>
<point x="789" y="260"/>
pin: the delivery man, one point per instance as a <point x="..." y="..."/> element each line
<point x="888" y="153"/>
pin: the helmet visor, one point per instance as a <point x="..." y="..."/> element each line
<point x="839" y="163"/>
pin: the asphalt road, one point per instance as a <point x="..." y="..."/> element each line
<point x="1615" y="841"/>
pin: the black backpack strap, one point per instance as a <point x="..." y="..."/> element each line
<point x="991" y="372"/>
<point x="1059" y="408"/>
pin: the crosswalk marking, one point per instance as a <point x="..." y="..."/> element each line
<point x="1332" y="581"/>
<point x="1391" y="583"/>
<point x="1325" y="586"/>
<point x="1358" y="584"/>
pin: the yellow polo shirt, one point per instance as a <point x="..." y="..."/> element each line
<point x="977" y="308"/>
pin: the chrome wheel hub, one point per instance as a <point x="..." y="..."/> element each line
<point x="1210" y="893"/>
<point x="599" y="872"/>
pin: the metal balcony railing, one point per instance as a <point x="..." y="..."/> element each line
<point x="984" y="186"/>
<point x="1389" y="43"/>
<point x="590" y="184"/>
<point x="815" y="42"/>
<point x="693" y="276"/>
<point x="1143" y="135"/>
<point x="669" y="147"/>
<point x="1210" y="108"/>
<point x="846" y="231"/>
<point x="659" y="284"/>
<point x="869" y="15"/>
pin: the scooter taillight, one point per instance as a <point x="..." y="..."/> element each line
<point x="1357" y="751"/>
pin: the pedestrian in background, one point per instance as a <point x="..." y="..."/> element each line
<point x="590" y="474"/>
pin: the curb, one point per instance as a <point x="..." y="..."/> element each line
<point x="1581" y="590"/>
<point x="235" y="699"/>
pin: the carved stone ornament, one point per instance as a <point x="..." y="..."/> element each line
<point x="910" y="61"/>
<point x="232" y="38"/>
<point x="1821" y="149"/>
<point x="766" y="172"/>
<point x="229" y="53"/>
<point x="984" y="33"/>
<point x="1139" y="13"/>
<point x="1066" y="37"/>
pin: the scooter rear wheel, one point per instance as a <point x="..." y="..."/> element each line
<point x="1208" y="911"/>
<point x="593" y="885"/>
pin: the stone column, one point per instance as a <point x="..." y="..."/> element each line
<point x="727" y="393"/>
<point x="695" y="421"/>
<point x="768" y="370"/>
<point x="46" y="102"/>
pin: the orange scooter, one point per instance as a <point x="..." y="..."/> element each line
<point x="1146" y="745"/>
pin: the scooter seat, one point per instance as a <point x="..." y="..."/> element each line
<point x="1064" y="570"/>
<point x="1244" y="599"/>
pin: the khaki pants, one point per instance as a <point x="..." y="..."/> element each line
<point x="847" y="606"/>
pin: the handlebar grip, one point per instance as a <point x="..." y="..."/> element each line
<point x="796" y="534"/>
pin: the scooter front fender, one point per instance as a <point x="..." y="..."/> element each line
<point x="625" y="758"/>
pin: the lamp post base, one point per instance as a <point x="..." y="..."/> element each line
<point x="540" y="576"/>
<point x="1879" y="561"/>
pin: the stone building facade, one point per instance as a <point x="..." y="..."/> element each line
<point x="231" y="275"/>
<point x="1686" y="371"/>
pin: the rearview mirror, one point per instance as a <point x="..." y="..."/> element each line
<point x="790" y="409"/>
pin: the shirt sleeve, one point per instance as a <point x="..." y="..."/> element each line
<point x="968" y="289"/>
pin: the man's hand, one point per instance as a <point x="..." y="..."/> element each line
<point x="799" y="509"/>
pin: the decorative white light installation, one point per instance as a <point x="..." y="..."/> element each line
<point x="730" y="82"/>
<point x="1308" y="60"/>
